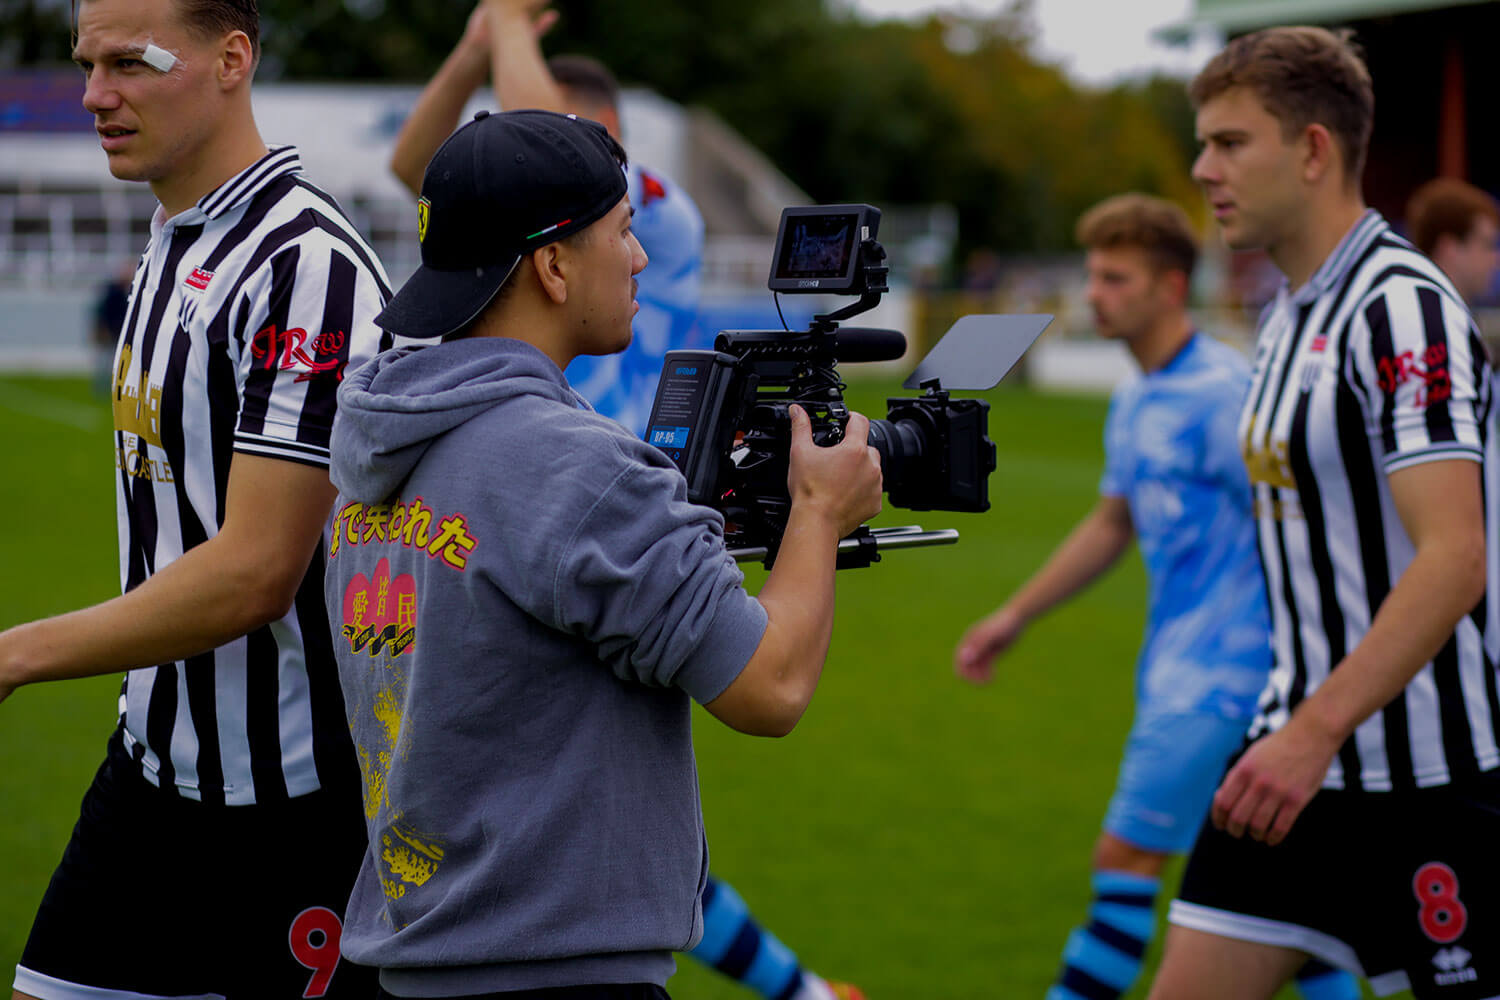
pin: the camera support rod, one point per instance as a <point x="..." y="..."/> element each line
<point x="909" y="537"/>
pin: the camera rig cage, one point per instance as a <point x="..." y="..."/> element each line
<point x="722" y="416"/>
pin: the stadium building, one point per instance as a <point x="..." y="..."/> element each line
<point x="67" y="225"/>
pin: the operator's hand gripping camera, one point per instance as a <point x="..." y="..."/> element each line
<point x="723" y="415"/>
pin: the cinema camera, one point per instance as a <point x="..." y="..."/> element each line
<point x="723" y="415"/>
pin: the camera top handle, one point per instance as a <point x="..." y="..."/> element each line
<point x="872" y="270"/>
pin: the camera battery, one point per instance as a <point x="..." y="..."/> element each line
<point x="687" y="418"/>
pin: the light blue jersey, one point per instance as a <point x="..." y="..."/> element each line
<point x="1172" y="453"/>
<point x="622" y="386"/>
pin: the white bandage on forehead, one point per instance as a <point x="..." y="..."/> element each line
<point x="158" y="58"/>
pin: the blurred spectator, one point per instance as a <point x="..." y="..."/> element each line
<point x="109" y="318"/>
<point x="1457" y="224"/>
<point x="982" y="272"/>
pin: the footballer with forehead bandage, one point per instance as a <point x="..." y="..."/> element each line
<point x="252" y="298"/>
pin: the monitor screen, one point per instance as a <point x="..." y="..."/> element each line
<point x="818" y="246"/>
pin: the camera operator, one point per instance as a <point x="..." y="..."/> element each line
<point x="502" y="42"/>
<point x="527" y="601"/>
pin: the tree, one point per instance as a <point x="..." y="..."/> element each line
<point x="952" y="108"/>
<point x="33" y="31"/>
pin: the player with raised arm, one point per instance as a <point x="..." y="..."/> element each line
<point x="501" y="43"/>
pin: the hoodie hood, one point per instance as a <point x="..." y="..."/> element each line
<point x="392" y="408"/>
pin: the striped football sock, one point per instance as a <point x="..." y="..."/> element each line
<point x="734" y="944"/>
<point x="1103" y="958"/>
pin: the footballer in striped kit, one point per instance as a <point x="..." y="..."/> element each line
<point x="1358" y="824"/>
<point x="226" y="814"/>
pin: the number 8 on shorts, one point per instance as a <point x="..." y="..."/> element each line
<point x="1442" y="916"/>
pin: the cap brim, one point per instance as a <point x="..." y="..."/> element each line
<point x="435" y="303"/>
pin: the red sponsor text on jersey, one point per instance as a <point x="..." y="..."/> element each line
<point x="199" y="279"/>
<point x="288" y="349"/>
<point x="1431" y="368"/>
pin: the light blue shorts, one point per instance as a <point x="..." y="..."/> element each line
<point x="1171" y="769"/>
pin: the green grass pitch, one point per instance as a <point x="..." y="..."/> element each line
<point x="915" y="835"/>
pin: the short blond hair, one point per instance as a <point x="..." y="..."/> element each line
<point x="1302" y="76"/>
<point x="1154" y="225"/>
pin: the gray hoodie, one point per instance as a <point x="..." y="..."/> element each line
<point x="523" y="602"/>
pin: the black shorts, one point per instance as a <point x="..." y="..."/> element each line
<point x="1402" y="888"/>
<point x="157" y="895"/>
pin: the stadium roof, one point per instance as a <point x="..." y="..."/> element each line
<point x="1247" y="15"/>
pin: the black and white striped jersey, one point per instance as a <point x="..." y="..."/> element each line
<point x="244" y="313"/>
<point x="1373" y="366"/>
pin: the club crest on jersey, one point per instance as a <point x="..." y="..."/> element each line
<point x="1267" y="461"/>
<point x="199" y="279"/>
<point x="424" y="215"/>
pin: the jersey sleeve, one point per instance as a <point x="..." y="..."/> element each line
<point x="670" y="229"/>
<point x="310" y="313"/>
<point x="1420" y="370"/>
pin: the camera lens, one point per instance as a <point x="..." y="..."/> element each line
<point x="901" y="444"/>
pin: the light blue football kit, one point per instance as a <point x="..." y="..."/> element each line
<point x="1172" y="453"/>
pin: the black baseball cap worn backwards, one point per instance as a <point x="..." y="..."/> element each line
<point x="501" y="187"/>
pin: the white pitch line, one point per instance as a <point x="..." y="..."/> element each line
<point x="44" y="406"/>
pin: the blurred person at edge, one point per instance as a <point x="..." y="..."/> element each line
<point x="108" y="319"/>
<point x="1457" y="225"/>
<point x="255" y="293"/>
<point x="1173" y="479"/>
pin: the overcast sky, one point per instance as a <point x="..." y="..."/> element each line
<point x="1096" y="41"/>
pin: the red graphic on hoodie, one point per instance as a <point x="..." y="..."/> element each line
<point x="382" y="612"/>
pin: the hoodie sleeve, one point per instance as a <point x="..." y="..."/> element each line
<point x="646" y="578"/>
